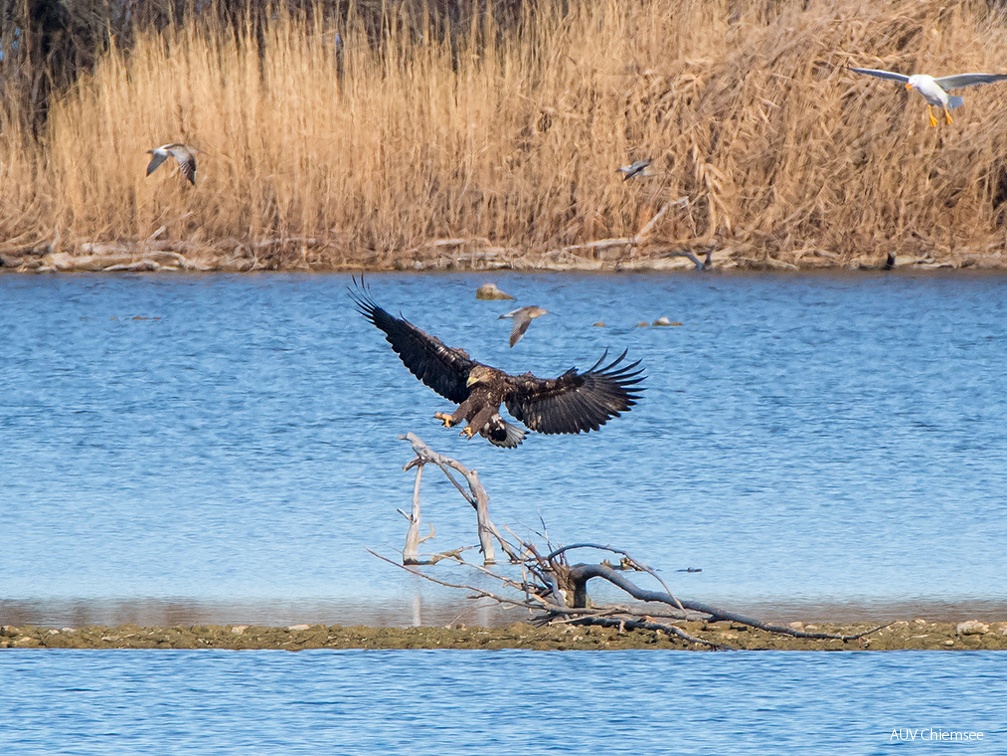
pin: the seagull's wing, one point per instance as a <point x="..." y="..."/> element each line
<point x="968" y="80"/>
<point x="186" y="161"/>
<point x="156" y="159"/>
<point x="883" y="74"/>
<point x="521" y="323"/>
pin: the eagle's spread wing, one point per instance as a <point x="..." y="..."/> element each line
<point x="442" y="368"/>
<point x="575" y="402"/>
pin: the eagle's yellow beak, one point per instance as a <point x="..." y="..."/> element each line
<point x="471" y="379"/>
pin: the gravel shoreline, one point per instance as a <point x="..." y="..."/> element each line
<point x="917" y="634"/>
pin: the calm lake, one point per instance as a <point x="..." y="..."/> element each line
<point x="225" y="448"/>
<point x="466" y="702"/>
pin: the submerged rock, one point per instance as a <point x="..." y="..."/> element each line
<point x="490" y="291"/>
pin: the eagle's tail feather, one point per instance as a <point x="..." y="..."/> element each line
<point x="501" y="433"/>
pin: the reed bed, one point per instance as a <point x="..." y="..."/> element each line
<point x="508" y="139"/>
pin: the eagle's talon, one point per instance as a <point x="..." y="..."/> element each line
<point x="445" y="418"/>
<point x="468" y="431"/>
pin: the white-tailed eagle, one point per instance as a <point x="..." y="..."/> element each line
<point x="574" y="402"/>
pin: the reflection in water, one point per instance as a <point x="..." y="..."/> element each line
<point x="413" y="611"/>
<point x="447" y="612"/>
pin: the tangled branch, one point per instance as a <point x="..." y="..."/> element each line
<point x="553" y="590"/>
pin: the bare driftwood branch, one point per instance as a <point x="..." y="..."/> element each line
<point x="584" y="572"/>
<point x="554" y="591"/>
<point x="410" y="554"/>
<point x="476" y="496"/>
<point x="282" y="240"/>
<point x="627" y="562"/>
<point x="659" y="627"/>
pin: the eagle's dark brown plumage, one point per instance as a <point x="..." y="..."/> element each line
<point x="572" y="403"/>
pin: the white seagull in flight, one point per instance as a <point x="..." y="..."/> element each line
<point x="181" y="152"/>
<point x="523" y="316"/>
<point x="935" y="91"/>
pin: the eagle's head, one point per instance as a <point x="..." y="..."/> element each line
<point x="479" y="374"/>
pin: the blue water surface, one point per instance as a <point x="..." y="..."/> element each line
<point x="225" y="447"/>
<point x="437" y="702"/>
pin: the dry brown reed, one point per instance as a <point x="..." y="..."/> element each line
<point x="511" y="138"/>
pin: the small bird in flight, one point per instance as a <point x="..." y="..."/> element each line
<point x="181" y="152"/>
<point x="935" y="91"/>
<point x="639" y="168"/>
<point x="523" y="316"/>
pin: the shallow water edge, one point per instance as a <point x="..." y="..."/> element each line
<point x="424" y="612"/>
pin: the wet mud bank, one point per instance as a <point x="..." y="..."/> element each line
<point x="915" y="634"/>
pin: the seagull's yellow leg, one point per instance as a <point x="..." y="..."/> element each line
<point x="930" y="112"/>
<point x="445" y="418"/>
<point x="947" y="114"/>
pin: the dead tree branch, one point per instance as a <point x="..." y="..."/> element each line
<point x="476" y="496"/>
<point x="554" y="591"/>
